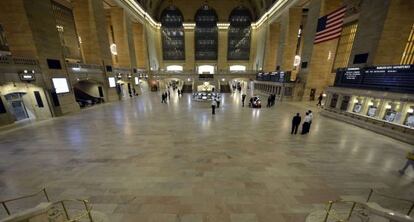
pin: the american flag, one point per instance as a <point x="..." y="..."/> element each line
<point x="330" y="26"/>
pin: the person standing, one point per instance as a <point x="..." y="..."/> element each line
<point x="168" y="93"/>
<point x="295" y="123"/>
<point x="311" y="118"/>
<point x="320" y="100"/>
<point x="306" y="124"/>
<point x="410" y="161"/>
<point x="243" y="99"/>
<point x="213" y="106"/>
<point x="269" y="101"/>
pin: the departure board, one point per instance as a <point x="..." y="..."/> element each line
<point x="274" y="76"/>
<point x="398" y="78"/>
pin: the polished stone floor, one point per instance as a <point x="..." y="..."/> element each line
<point x="140" y="160"/>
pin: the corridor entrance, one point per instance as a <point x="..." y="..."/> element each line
<point x="16" y="103"/>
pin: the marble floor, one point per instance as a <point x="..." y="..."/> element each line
<point x="140" y="160"/>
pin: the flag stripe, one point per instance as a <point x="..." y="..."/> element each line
<point x="329" y="29"/>
<point x="337" y="12"/>
<point x="334" y="23"/>
<point x="330" y="25"/>
<point x="328" y="38"/>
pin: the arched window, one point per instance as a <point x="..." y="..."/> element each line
<point x="206" y="34"/>
<point x="172" y="34"/>
<point x="239" y="34"/>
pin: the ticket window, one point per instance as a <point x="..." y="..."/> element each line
<point x="373" y="105"/>
<point x="409" y="119"/>
<point x="334" y="100"/>
<point x="392" y="112"/>
<point x="345" y="103"/>
<point x="358" y="104"/>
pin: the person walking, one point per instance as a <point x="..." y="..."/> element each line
<point x="410" y="161"/>
<point x="162" y="98"/>
<point x="168" y="93"/>
<point x="306" y="124"/>
<point x="218" y="101"/>
<point x="213" y="106"/>
<point x="243" y="99"/>
<point x="320" y="100"/>
<point x="295" y="123"/>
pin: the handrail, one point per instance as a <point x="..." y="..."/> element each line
<point x="4" y="202"/>
<point x="330" y="211"/>
<point x="87" y="205"/>
<point x="372" y="191"/>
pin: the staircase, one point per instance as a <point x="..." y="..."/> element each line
<point x="225" y="89"/>
<point x="187" y="88"/>
<point x="357" y="209"/>
<point x="70" y="210"/>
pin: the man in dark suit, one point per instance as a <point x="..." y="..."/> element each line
<point x="295" y="123"/>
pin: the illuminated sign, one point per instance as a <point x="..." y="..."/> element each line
<point x="61" y="85"/>
<point x="27" y="77"/>
<point x="112" y="82"/>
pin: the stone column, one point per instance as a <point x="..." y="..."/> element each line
<point x="123" y="38"/>
<point x="140" y="46"/>
<point x="290" y="25"/>
<point x="318" y="75"/>
<point x="189" y="49"/>
<point x="272" y="47"/>
<point x="31" y="30"/>
<point x="222" y="50"/>
<point x="91" y="26"/>
<point x="383" y="29"/>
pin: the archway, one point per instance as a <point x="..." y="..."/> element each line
<point x="23" y="101"/>
<point x="89" y="92"/>
<point x="241" y="85"/>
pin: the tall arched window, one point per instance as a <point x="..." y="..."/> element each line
<point x="173" y="46"/>
<point x="206" y="34"/>
<point x="239" y="34"/>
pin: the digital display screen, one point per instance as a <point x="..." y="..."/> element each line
<point x="112" y="82"/>
<point x="61" y="85"/>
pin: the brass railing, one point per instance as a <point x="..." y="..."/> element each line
<point x="331" y="212"/>
<point x="62" y="203"/>
<point x="4" y="202"/>
<point x="410" y="210"/>
<point x="86" y="204"/>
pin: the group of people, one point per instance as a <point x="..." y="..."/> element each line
<point x="271" y="100"/>
<point x="307" y="122"/>
<point x="215" y="103"/>
<point x="164" y="96"/>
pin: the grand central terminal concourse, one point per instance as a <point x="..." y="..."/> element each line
<point x="206" y="110"/>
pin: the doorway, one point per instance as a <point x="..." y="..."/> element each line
<point x="312" y="94"/>
<point x="16" y="103"/>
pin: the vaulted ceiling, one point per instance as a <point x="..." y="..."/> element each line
<point x="258" y="7"/>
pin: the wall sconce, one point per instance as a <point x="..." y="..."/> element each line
<point x="410" y="110"/>
<point x="388" y="106"/>
<point x="370" y="103"/>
